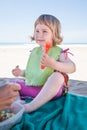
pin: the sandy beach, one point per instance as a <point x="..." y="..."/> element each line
<point x="10" y="56"/>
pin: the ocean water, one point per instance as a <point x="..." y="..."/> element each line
<point x="12" y="43"/>
<point x="23" y="43"/>
<point x="33" y="44"/>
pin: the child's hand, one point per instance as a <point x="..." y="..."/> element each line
<point x="47" y="61"/>
<point x="17" y="71"/>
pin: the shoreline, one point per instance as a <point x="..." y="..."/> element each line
<point x="34" y="44"/>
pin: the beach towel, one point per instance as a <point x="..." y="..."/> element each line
<point x="68" y="112"/>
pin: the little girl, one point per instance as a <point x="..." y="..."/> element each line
<point x="51" y="82"/>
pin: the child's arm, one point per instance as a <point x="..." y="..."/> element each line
<point x="63" y="64"/>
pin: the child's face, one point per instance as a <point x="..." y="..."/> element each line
<point x="43" y="34"/>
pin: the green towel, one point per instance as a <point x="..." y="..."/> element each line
<point x="68" y="112"/>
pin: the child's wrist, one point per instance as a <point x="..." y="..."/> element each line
<point x="23" y="73"/>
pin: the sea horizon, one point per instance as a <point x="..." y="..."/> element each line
<point x="26" y="43"/>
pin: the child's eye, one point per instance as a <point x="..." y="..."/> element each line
<point x="44" y="31"/>
<point x="37" y="30"/>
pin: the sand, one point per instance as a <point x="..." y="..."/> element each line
<point x="10" y="56"/>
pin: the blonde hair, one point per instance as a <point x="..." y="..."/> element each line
<point x="53" y="23"/>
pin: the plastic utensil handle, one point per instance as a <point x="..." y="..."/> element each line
<point x="47" y="48"/>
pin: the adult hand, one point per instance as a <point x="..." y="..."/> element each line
<point x="8" y="94"/>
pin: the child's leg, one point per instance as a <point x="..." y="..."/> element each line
<point x="49" y="91"/>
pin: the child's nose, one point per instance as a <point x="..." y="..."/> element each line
<point x="40" y="34"/>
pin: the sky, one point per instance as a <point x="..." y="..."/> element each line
<point x="17" y="18"/>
